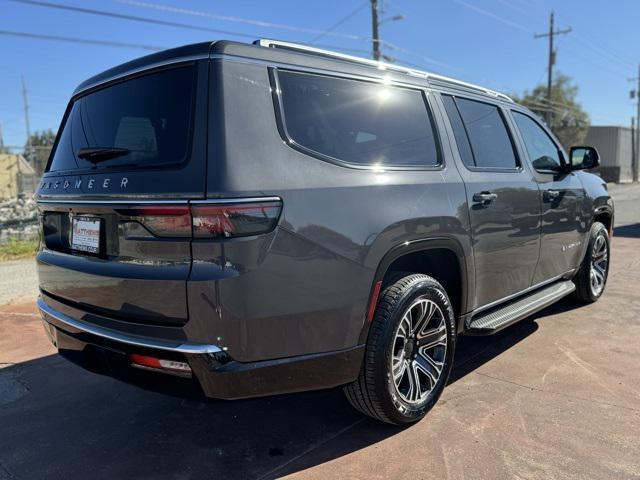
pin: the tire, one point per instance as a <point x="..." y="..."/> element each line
<point x="409" y="301"/>
<point x="591" y="278"/>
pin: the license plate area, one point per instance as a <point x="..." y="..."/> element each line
<point x="86" y="234"/>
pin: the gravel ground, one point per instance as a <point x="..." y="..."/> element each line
<point x="18" y="281"/>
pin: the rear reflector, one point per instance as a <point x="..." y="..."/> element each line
<point x="374" y="300"/>
<point x="167" y="366"/>
<point x="207" y="220"/>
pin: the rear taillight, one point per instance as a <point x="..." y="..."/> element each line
<point x="167" y="221"/>
<point x="234" y="220"/>
<point x="208" y="220"/>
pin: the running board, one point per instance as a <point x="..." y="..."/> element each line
<point x="495" y="320"/>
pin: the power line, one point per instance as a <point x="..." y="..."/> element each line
<point x="602" y="50"/>
<point x="492" y="15"/>
<point x="350" y="15"/>
<point x="206" y="29"/>
<point x="134" y="18"/>
<point x="200" y="13"/>
<point x="215" y="16"/>
<point x="612" y="57"/>
<point x="87" y="41"/>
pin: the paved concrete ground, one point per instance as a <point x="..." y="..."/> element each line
<point x="556" y="396"/>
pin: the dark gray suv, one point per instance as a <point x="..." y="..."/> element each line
<point x="270" y="218"/>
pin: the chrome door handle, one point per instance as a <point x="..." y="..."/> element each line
<point x="552" y="194"/>
<point x="484" y="197"/>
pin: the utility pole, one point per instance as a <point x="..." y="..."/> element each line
<point x="633" y="149"/>
<point x="552" y="61"/>
<point x="375" y="26"/>
<point x="635" y="162"/>
<point x="26" y="121"/>
<point x="637" y="151"/>
<point x="1" y="140"/>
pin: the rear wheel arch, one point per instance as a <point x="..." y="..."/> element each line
<point x="441" y="258"/>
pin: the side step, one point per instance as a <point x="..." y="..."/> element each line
<point x="497" y="319"/>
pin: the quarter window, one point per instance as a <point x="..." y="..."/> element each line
<point x="460" y="134"/>
<point x="358" y="122"/>
<point x="487" y="134"/>
<point x="543" y="152"/>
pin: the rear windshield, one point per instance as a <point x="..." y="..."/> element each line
<point x="149" y="118"/>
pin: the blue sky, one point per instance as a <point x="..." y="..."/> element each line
<point x="489" y="42"/>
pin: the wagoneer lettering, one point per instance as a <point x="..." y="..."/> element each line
<point x="273" y="218"/>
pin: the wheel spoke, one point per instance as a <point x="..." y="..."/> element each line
<point x="433" y="337"/>
<point x="398" y="371"/>
<point x="414" y="383"/>
<point x="423" y="315"/>
<point x="429" y="369"/>
<point x="599" y="264"/>
<point x="419" y="344"/>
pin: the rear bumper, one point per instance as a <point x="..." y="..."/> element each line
<point x="214" y="373"/>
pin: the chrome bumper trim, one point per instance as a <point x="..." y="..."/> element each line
<point x="158" y="344"/>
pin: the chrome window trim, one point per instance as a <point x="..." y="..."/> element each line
<point x="374" y="77"/>
<point x="129" y="339"/>
<point x="135" y="71"/>
<point x="269" y="43"/>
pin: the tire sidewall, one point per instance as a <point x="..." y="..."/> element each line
<point x="397" y="409"/>
<point x="597" y="229"/>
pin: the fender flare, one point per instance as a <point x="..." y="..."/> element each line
<point x="408" y="247"/>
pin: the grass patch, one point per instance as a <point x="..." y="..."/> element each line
<point x="17" y="249"/>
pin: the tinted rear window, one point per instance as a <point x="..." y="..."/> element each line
<point x="150" y="115"/>
<point x="358" y="122"/>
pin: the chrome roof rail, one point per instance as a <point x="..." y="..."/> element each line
<point x="263" y="42"/>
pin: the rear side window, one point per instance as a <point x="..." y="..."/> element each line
<point x="487" y="134"/>
<point x="150" y="117"/>
<point x="358" y="122"/>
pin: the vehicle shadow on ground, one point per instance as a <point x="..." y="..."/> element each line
<point x="630" y="231"/>
<point x="59" y="421"/>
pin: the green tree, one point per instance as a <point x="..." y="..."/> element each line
<point x="41" y="145"/>
<point x="569" y="121"/>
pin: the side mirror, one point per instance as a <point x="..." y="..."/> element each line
<point x="584" y="158"/>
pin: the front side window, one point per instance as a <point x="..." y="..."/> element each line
<point x="357" y="122"/>
<point x="543" y="152"/>
<point x="488" y="135"/>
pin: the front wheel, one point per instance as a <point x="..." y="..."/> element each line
<point x="409" y="352"/>
<point x="591" y="279"/>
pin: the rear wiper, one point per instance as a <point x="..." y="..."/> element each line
<point x="97" y="155"/>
